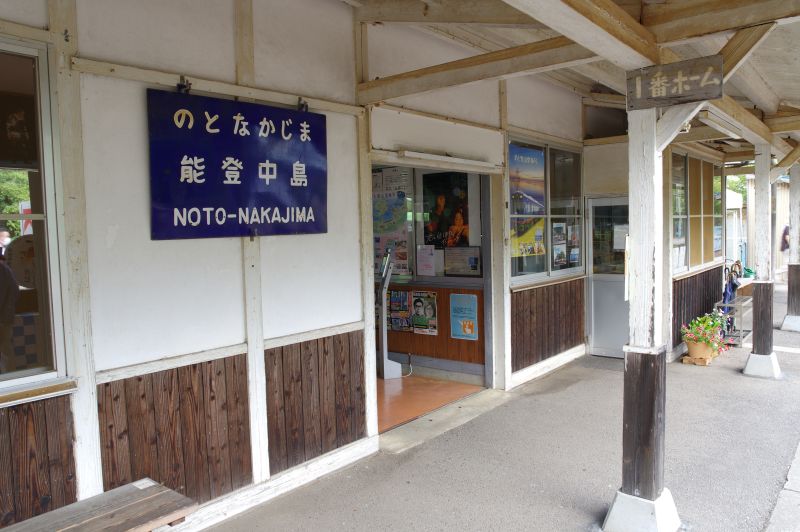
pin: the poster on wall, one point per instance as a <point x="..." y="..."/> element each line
<point x="527" y="237"/>
<point x="18" y="136"/>
<point x="390" y="225"/>
<point x="462" y="262"/>
<point x="399" y="310"/>
<point x="221" y="168"/>
<point x="464" y="316"/>
<point x="526" y="180"/>
<point x="445" y="202"/>
<point x="559" y="244"/>
<point x="426" y="260"/>
<point x="424" y="313"/>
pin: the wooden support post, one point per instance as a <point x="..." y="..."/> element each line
<point x="643" y="503"/>
<point x="792" y="320"/>
<point x="762" y="361"/>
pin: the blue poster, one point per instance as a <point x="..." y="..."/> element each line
<point x="226" y="168"/>
<point x="464" y="316"/>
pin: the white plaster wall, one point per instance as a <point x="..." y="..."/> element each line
<point x="541" y="106"/>
<point x="605" y="169"/>
<point x="30" y="12"/>
<point x="149" y="299"/>
<point x="193" y="37"/>
<point x="305" y="47"/>
<point x="394" y="49"/>
<point x="314" y="281"/>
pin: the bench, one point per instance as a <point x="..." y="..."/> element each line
<point x="736" y="308"/>
<point x="142" y="506"/>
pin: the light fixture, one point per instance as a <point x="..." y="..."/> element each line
<point x="408" y="154"/>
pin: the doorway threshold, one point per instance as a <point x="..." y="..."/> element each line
<point x="444" y="419"/>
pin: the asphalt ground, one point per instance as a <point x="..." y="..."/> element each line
<point x="550" y="458"/>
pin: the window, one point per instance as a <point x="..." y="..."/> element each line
<point x="697" y="212"/>
<point x="545" y="210"/>
<point x="680" y="213"/>
<point x="29" y="301"/>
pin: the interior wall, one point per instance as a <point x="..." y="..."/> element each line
<point x="394" y="49"/>
<point x="30" y="12"/>
<point x="605" y="169"/>
<point x="541" y="106"/>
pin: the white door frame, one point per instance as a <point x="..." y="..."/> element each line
<point x="595" y="201"/>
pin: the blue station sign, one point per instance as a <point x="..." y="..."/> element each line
<point x="221" y="168"/>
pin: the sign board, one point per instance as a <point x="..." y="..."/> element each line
<point x="694" y="80"/>
<point x="222" y="168"/>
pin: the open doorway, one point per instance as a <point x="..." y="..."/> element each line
<point x="429" y="226"/>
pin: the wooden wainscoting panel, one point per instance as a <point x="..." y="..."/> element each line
<point x="546" y="321"/>
<point x="185" y="427"/>
<point x="37" y="465"/>
<point x="694" y="296"/>
<point x="315" y="398"/>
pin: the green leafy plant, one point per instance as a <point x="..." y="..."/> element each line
<point x="706" y="329"/>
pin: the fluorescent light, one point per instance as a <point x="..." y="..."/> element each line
<point x="446" y="159"/>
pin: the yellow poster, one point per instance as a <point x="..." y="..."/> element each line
<point x="527" y="237"/>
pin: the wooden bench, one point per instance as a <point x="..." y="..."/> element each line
<point x="142" y="506"/>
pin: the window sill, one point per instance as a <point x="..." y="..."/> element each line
<point x="698" y="269"/>
<point x="36" y="391"/>
<point x="547" y="281"/>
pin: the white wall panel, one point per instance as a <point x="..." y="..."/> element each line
<point x="396" y="130"/>
<point x="305" y="47"/>
<point x="149" y="299"/>
<point x="605" y="169"/>
<point x="314" y="281"/>
<point x="187" y="36"/>
<point x="30" y="12"/>
<point x="541" y="106"/>
<point x="394" y="49"/>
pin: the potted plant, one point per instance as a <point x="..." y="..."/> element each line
<point x="703" y="335"/>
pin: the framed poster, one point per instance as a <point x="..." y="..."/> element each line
<point x="462" y="262"/>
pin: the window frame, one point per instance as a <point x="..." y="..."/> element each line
<point x="52" y="218"/>
<point x="549" y="275"/>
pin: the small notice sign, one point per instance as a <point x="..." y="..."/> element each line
<point x="694" y="80"/>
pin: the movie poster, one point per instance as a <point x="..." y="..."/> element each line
<point x="424" y="312"/>
<point x="18" y="144"/>
<point x="526" y="180"/>
<point x="445" y="201"/>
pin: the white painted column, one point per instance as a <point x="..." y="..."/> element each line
<point x="74" y="266"/>
<point x="751" y="222"/>
<point x="642" y="502"/>
<point x="791" y="321"/>
<point x="762" y="361"/>
<point x="251" y="270"/>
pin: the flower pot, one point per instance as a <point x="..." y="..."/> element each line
<point x="700" y="350"/>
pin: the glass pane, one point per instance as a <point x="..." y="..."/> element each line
<point x="565" y="237"/>
<point x="679" y="229"/>
<point x="528" y="245"/>
<point x="678" y="184"/>
<point x="565" y="182"/>
<point x="25" y="322"/>
<point x="717" y="191"/>
<point x="526" y="180"/>
<point x="609" y="228"/>
<point x="718" y="240"/>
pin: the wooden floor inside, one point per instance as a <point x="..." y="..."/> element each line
<point x="405" y="399"/>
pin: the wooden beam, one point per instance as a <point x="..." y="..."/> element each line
<point x="531" y="58"/>
<point x="23" y="31"/>
<point x="601" y="99"/>
<point x="739" y="48"/>
<point x="783" y="124"/>
<point x="739" y="156"/>
<point x="670" y="123"/>
<point x="488" y="12"/>
<point x="677" y="21"/>
<point x="604" y="72"/>
<point x="753" y="130"/>
<point x="791" y="158"/>
<point x="599" y="25"/>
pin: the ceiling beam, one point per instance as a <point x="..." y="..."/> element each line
<point x="785" y="163"/>
<point x="487" y="12"/>
<point x="739" y="48"/>
<point x="701" y="134"/>
<point x="676" y="21"/>
<point x="599" y="25"/>
<point x="600" y="99"/>
<point x="532" y="58"/>
<point x="784" y="124"/>
<point x="605" y="73"/>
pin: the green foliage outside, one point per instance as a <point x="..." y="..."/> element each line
<point x="13" y="190"/>
<point x="738" y="183"/>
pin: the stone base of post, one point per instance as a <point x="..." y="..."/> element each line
<point x="792" y="320"/>
<point x="634" y="514"/>
<point x="762" y="362"/>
